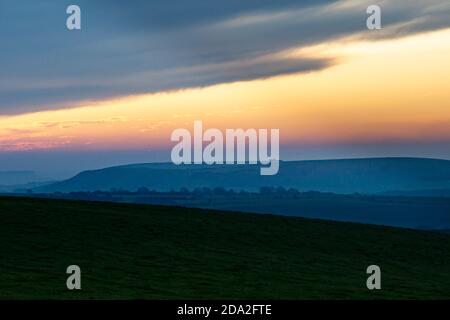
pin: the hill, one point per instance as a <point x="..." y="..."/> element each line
<point x="138" y="251"/>
<point x="419" y="212"/>
<point x="375" y="175"/>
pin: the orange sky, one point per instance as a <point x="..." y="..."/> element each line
<point x="377" y="91"/>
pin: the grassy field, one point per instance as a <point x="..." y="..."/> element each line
<point x="152" y="252"/>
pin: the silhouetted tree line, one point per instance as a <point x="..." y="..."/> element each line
<point x="185" y="192"/>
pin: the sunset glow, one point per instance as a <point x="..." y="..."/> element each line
<point x="376" y="91"/>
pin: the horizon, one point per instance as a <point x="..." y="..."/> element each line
<point x="62" y="177"/>
<point x="217" y="150"/>
<point x="342" y="91"/>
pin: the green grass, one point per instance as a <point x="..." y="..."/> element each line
<point x="151" y="252"/>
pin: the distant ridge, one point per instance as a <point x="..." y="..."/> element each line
<point x="366" y="175"/>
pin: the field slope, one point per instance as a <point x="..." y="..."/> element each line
<point x="140" y="251"/>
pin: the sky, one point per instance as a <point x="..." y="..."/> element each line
<point x="112" y="92"/>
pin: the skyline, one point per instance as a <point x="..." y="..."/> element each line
<point x="350" y="93"/>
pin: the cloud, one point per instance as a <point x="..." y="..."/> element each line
<point x="154" y="46"/>
<point x="75" y="123"/>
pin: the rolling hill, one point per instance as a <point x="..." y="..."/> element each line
<point x="139" y="251"/>
<point x="377" y="175"/>
<point x="425" y="213"/>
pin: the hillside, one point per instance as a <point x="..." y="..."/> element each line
<point x="375" y="175"/>
<point x="420" y="212"/>
<point x="138" y="251"/>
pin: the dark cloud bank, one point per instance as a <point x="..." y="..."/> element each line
<point x="150" y="46"/>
